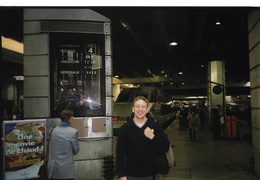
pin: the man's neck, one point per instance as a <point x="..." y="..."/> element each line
<point x="140" y="120"/>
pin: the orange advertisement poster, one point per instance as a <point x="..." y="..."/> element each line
<point x="24" y="148"/>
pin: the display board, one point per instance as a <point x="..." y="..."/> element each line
<point x="24" y="148"/>
<point x="77" y="61"/>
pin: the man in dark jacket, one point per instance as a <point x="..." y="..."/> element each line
<point x="216" y="114"/>
<point x="138" y="141"/>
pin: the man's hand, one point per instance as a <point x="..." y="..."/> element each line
<point x="122" y="178"/>
<point x="149" y="133"/>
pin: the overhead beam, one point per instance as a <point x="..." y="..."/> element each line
<point x="138" y="38"/>
<point x="156" y="79"/>
<point x="164" y="34"/>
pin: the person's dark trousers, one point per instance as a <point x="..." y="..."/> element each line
<point x="181" y="125"/>
<point x="192" y="135"/>
<point x="217" y="131"/>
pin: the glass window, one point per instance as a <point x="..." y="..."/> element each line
<point x="79" y="75"/>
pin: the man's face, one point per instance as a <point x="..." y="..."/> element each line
<point x="140" y="109"/>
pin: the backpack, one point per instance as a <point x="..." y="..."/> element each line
<point x="165" y="161"/>
<point x="170" y="157"/>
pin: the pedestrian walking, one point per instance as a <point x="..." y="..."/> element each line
<point x="194" y="123"/>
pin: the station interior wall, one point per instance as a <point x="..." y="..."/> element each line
<point x="254" y="63"/>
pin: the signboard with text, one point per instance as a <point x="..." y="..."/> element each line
<point x="78" y="66"/>
<point x="24" y="148"/>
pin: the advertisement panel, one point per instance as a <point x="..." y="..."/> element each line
<point x="24" y="148"/>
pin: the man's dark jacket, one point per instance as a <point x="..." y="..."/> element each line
<point x="135" y="152"/>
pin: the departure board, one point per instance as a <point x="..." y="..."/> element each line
<point x="79" y="73"/>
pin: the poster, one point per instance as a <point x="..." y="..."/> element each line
<point x="24" y="148"/>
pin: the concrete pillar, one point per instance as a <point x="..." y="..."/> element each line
<point x="254" y="64"/>
<point x="36" y="69"/>
<point x="216" y="85"/>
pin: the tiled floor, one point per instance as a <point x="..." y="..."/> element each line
<point x="209" y="159"/>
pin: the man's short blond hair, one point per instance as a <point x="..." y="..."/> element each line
<point x="140" y="98"/>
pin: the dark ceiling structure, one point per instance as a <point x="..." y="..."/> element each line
<point x="141" y="38"/>
<point x="142" y="54"/>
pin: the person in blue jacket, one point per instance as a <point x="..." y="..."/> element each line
<point x="138" y="141"/>
<point x="63" y="145"/>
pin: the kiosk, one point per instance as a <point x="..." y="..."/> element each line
<point x="67" y="65"/>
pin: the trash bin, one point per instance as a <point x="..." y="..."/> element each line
<point x="231" y="127"/>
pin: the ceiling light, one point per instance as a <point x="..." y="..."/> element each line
<point x="19" y="78"/>
<point x="116" y="76"/>
<point x="13" y="45"/>
<point x="173" y="44"/>
<point x="247" y="84"/>
<point x="218" y="22"/>
<point x="125" y="25"/>
<point x="180" y="72"/>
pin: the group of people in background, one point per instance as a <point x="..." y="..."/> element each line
<point x="8" y="111"/>
<point x="193" y="118"/>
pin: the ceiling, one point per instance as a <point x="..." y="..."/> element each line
<point x="141" y="48"/>
<point x="141" y="51"/>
